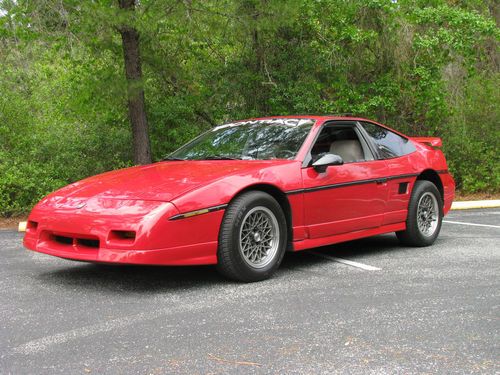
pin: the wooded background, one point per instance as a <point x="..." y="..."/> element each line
<point x="424" y="67"/>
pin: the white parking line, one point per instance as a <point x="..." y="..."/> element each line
<point x="348" y="262"/>
<point x="472" y="224"/>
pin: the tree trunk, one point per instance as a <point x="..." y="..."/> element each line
<point x="260" y="92"/>
<point x="135" y="90"/>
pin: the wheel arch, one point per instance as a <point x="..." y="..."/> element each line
<point x="432" y="176"/>
<point x="280" y="197"/>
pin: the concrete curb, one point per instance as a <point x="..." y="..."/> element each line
<point x="468" y="205"/>
<point x="465" y="205"/>
<point x="22" y="226"/>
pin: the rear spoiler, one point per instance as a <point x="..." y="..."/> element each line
<point x="431" y="141"/>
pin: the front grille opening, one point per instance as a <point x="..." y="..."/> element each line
<point x="87" y="242"/>
<point x="64" y="240"/>
<point x="78" y="242"/>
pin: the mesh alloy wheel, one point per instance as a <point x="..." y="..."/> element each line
<point x="259" y="237"/>
<point x="253" y="237"/>
<point x="427" y="214"/>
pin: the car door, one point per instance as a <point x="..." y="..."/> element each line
<point x="348" y="197"/>
<point x="397" y="152"/>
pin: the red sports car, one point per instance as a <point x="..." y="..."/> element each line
<point x="243" y="193"/>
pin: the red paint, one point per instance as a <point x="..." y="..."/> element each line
<point x="344" y="209"/>
<point x="77" y="222"/>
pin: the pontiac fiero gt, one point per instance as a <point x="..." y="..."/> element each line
<point x="242" y="194"/>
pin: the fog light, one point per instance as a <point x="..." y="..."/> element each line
<point x="32" y="225"/>
<point x="123" y="236"/>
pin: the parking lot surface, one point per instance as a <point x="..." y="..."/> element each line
<point x="410" y="310"/>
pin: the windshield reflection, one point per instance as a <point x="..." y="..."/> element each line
<point x="248" y="140"/>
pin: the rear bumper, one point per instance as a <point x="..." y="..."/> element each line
<point x="448" y="190"/>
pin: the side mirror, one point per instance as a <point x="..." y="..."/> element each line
<point x="325" y="161"/>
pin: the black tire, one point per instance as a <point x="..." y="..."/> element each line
<point x="413" y="235"/>
<point x="232" y="261"/>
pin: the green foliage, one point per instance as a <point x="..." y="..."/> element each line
<point x="425" y="67"/>
<point x="473" y="136"/>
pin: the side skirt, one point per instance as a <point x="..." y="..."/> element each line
<point x="330" y="240"/>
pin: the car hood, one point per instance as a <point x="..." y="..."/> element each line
<point x="161" y="181"/>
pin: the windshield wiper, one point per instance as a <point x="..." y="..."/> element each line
<point x="220" y="157"/>
<point x="213" y="157"/>
<point x="171" y="158"/>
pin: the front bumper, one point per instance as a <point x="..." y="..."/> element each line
<point x="197" y="254"/>
<point x="157" y="240"/>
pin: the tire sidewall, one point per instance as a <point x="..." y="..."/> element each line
<point x="243" y="205"/>
<point x="419" y="189"/>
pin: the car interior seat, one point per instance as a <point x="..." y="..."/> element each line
<point x="349" y="150"/>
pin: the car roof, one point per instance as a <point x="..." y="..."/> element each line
<point x="313" y="117"/>
<point x="321" y="119"/>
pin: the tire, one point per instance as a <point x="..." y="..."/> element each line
<point x="423" y="231"/>
<point x="252" y="238"/>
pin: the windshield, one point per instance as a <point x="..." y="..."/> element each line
<point x="257" y="139"/>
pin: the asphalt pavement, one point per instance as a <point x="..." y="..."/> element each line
<point x="388" y="310"/>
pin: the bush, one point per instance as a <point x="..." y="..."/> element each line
<point x="472" y="137"/>
<point x="425" y="68"/>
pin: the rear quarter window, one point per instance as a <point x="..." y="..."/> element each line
<point x="389" y="144"/>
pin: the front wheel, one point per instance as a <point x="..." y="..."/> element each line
<point x="425" y="215"/>
<point x="252" y="238"/>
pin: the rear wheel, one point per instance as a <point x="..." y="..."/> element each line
<point x="252" y="238"/>
<point x="425" y="215"/>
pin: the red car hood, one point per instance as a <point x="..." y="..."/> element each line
<point x="162" y="181"/>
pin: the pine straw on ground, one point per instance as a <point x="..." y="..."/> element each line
<point x="476" y="196"/>
<point x="11" y="222"/>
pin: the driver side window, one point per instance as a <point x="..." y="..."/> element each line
<point x="341" y="140"/>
